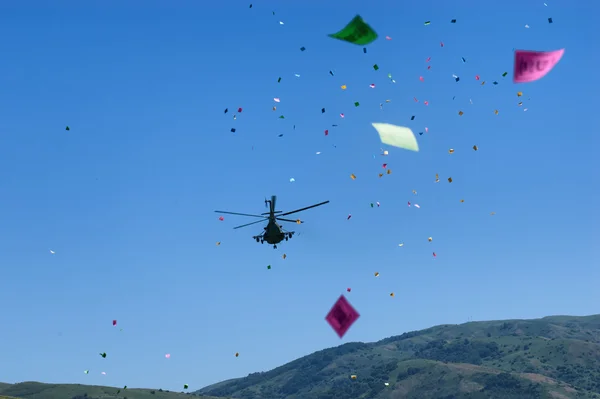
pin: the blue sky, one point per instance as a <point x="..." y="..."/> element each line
<point x="125" y="199"/>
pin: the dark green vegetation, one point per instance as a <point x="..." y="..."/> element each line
<point x="554" y="357"/>
<point x="551" y="358"/>
<point x="36" y="390"/>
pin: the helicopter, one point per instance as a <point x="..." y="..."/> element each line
<point x="273" y="233"/>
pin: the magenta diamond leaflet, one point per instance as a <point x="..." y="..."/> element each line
<point x="341" y="316"/>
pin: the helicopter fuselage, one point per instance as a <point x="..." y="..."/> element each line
<point x="273" y="233"/>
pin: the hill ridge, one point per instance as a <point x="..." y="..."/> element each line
<point x="553" y="357"/>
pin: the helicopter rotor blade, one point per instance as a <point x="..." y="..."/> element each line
<point x="303" y="209"/>
<point x="273" y="200"/>
<point x="241" y="214"/>
<point x="248" y="224"/>
<point x="288" y="220"/>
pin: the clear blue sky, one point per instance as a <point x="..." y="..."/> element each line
<point x="126" y="197"/>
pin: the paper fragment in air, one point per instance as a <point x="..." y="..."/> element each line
<point x="396" y="136"/>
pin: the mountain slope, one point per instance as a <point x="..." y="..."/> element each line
<point x="554" y="357"/>
<point x="37" y="390"/>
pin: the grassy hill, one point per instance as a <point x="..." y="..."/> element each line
<point x="37" y="390"/>
<point x="554" y="357"/>
<point x="551" y="358"/>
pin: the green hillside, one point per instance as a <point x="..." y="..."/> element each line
<point x="554" y="357"/>
<point x="36" y="390"/>
<point x="551" y="358"/>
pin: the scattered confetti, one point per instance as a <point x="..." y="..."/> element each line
<point x="168" y="355"/>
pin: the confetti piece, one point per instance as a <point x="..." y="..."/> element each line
<point x="534" y="65"/>
<point x="549" y="20"/>
<point x="392" y="294"/>
<point x="322" y="110"/>
<point x="475" y="147"/>
<point x="52" y="252"/>
<point x="496" y="112"/>
<point x="519" y="93"/>
<point x="462" y="200"/>
<point x="168" y="355"/>
<point x="421" y="78"/>
<point x="185" y="386"/>
<point x="504" y="74"/>
<point x="453" y="21"/>
<point x="237" y="354"/>
<point x="376" y="67"/>
<point x="103" y="355"/>
<point x="372" y="85"/>
<point x="279" y="80"/>
<point x="302" y="48"/>
<point x="349" y="216"/>
<point x="221" y="218"/>
<point x="283" y="256"/>
<point x="376" y="274"/>
<point x="389" y="171"/>
<point x="353" y="377"/>
<point x="341" y="316"/>
<point x="341" y="115"/>
<point x="417" y="206"/>
<point x="427" y="23"/>
<point x="463" y="59"/>
<point x="353" y="177"/>
<point x="86" y="371"/>
<point x="277" y="100"/>
<point x="218" y="243"/>
<point x="401" y="244"/>
<point x="114" y="323"/>
<point x="292" y="180"/>
<point x="451" y="151"/>
<point x="269" y="267"/>
<point x="460" y="113"/>
<point x="437" y="178"/>
<point x="67" y="128"/>
<point x="449" y="180"/>
<point x="430" y="239"/>
<point x="348" y="289"/>
<point x="492" y="213"/>
<point x="357" y="32"/>
<point x="396" y="136"/>
<point x="232" y="130"/>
